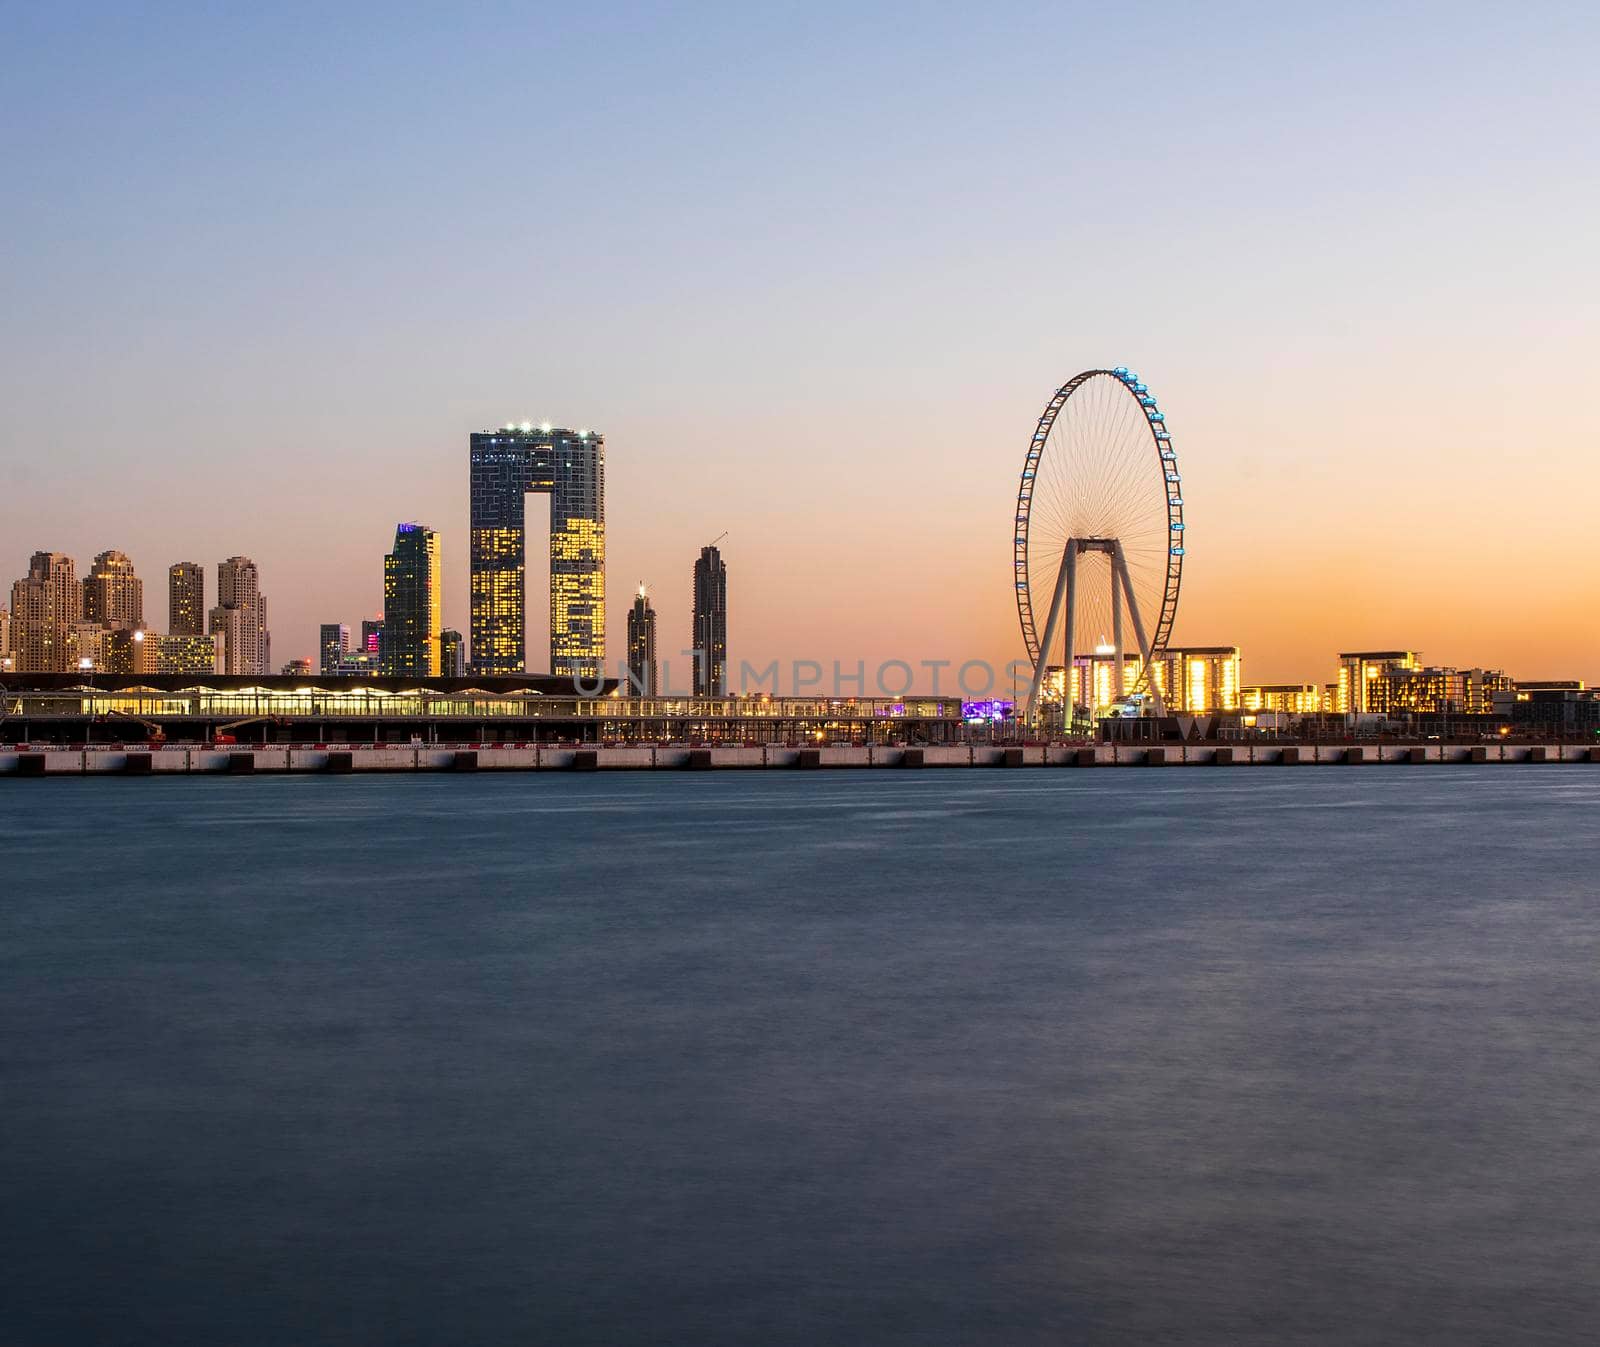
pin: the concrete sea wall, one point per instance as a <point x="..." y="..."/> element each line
<point x="21" y="760"/>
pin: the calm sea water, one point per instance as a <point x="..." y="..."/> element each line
<point x="1267" y="1056"/>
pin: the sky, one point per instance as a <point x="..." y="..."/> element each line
<point x="814" y="270"/>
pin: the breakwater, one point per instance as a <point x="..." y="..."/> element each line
<point x="225" y="760"/>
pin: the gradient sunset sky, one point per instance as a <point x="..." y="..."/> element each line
<point x="814" y="270"/>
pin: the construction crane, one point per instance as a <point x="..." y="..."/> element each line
<point x="224" y="734"/>
<point x="718" y="538"/>
<point x="154" y="734"/>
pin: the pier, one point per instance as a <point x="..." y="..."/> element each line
<point x="48" y="760"/>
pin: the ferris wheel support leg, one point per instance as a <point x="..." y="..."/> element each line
<point x="1065" y="581"/>
<point x="1121" y="562"/>
<point x="1117" y="684"/>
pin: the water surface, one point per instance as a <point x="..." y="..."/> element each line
<point x="1041" y="1057"/>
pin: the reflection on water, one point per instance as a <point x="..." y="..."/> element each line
<point x="1269" y="1056"/>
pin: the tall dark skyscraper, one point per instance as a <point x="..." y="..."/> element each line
<point x="642" y="676"/>
<point x="332" y="642"/>
<point x="452" y="653"/>
<point x="186" y="598"/>
<point x="413" y="601"/>
<point x="710" y="642"/>
<point x="569" y="466"/>
<point x="372" y="635"/>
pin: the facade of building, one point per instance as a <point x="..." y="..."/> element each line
<point x="186" y="599"/>
<point x="1200" y="680"/>
<point x="333" y="640"/>
<point x="643" y="670"/>
<point x="177" y="654"/>
<point x="120" y="649"/>
<point x="710" y="633"/>
<point x="372" y="636"/>
<point x="412" y="603"/>
<point x="1560" y="712"/>
<point x="477" y="709"/>
<point x="1294" y="699"/>
<point x="569" y="466"/>
<point x="358" y="664"/>
<point x="297" y="668"/>
<point x="46" y="611"/>
<point x="452" y="653"/>
<point x="113" y="596"/>
<point x="1358" y="670"/>
<point x="240" y="618"/>
<point x="8" y="662"/>
<point x="1195" y="680"/>
<point x="1431" y="690"/>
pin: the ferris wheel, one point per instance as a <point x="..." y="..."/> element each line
<point x="1099" y="532"/>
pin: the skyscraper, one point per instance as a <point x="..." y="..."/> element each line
<point x="240" y="618"/>
<point x="333" y="641"/>
<point x="46" y="609"/>
<point x="372" y="636"/>
<point x="113" y="596"/>
<point x="642" y="678"/>
<point x="186" y="598"/>
<point x="570" y="467"/>
<point x="710" y="643"/>
<point x="412" y="602"/>
<point x="452" y="653"/>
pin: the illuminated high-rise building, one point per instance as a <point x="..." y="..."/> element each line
<point x="710" y="643"/>
<point x="333" y="641"/>
<point x="372" y="636"/>
<point x="412" y="603"/>
<point x="240" y="618"/>
<point x="113" y="596"/>
<point x="186" y="598"/>
<point x="8" y="662"/>
<point x="46" y="611"/>
<point x="569" y="466"/>
<point x="643" y="679"/>
<point x="1200" y="680"/>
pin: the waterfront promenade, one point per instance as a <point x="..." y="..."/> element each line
<point x="234" y="760"/>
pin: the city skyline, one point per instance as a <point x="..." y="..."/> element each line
<point x="825" y="348"/>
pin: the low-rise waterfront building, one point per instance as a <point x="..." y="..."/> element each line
<point x="474" y="709"/>
<point x="1292" y="699"/>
